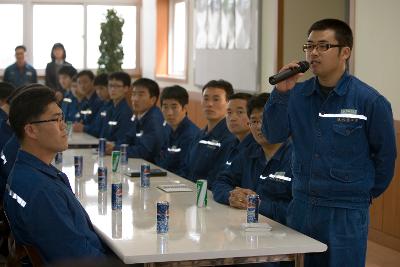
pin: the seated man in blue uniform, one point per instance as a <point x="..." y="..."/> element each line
<point x="96" y="127"/>
<point x="147" y="132"/>
<point x="174" y="101"/>
<point x="6" y="90"/>
<point x="211" y="146"/>
<point x="118" y="116"/>
<point x="42" y="209"/>
<point x="261" y="168"/>
<point x="20" y="73"/>
<point x="344" y="146"/>
<point x="90" y="104"/>
<point x="237" y="121"/>
<point x="69" y="103"/>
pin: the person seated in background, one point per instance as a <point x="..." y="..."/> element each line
<point x="262" y="168"/>
<point x="6" y="90"/>
<point x="210" y="147"/>
<point x="96" y="127"/>
<point x="238" y="124"/>
<point x="117" y="119"/>
<point x="20" y="73"/>
<point x="69" y="103"/>
<point x="147" y="132"/>
<point x="174" y="101"/>
<point x="42" y="209"/>
<point x="91" y="103"/>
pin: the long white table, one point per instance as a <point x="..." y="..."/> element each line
<point x="196" y="236"/>
<point x="82" y="140"/>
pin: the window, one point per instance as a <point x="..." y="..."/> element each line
<point x="171" y="59"/>
<point x="75" y="24"/>
<point x="10" y="14"/>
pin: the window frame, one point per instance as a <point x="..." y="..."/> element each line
<point x="28" y="26"/>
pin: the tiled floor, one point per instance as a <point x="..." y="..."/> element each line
<point x="379" y="256"/>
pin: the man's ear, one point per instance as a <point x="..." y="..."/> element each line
<point x="30" y="131"/>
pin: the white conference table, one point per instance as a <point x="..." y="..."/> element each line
<point x="197" y="236"/>
<point x="82" y="140"/>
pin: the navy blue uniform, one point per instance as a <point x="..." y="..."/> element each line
<point x="173" y="153"/>
<point x="208" y="153"/>
<point x="44" y="212"/>
<point x="13" y="75"/>
<point x="70" y="107"/>
<point x="3" y="115"/>
<point x="344" y="151"/>
<point x="117" y="121"/>
<point x="5" y="133"/>
<point x="146" y="136"/>
<point x="89" y="108"/>
<point x="237" y="147"/>
<point x="96" y="127"/>
<point x="8" y="156"/>
<point x="270" y="179"/>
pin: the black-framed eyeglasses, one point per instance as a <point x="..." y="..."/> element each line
<point x="60" y="119"/>
<point x="112" y="85"/>
<point x="254" y="123"/>
<point x="321" y="47"/>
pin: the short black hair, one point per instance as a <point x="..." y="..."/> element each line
<point x="257" y="102"/>
<point x="101" y="79"/>
<point x="221" y="84"/>
<point x="5" y="90"/>
<point x="20" y="47"/>
<point x="67" y="70"/>
<point x="177" y="93"/>
<point x="58" y="45"/>
<point x="88" y="73"/>
<point x="35" y="96"/>
<point x="343" y="32"/>
<point x="149" y="84"/>
<point x="121" y="76"/>
<point x="243" y="96"/>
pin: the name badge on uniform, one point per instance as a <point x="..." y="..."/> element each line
<point x="77" y="115"/>
<point x="213" y="143"/>
<point x="67" y="100"/>
<point x="3" y="157"/>
<point x="133" y="118"/>
<point x="174" y="149"/>
<point x="103" y="113"/>
<point x="86" y="112"/>
<point x="164" y="123"/>
<point x="229" y="163"/>
<point x="29" y="73"/>
<point x="139" y="134"/>
<point x="345" y="115"/>
<point x="112" y="123"/>
<point x="280" y="176"/>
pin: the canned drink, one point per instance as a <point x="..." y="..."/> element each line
<point x="102" y="147"/>
<point x="116" y="196"/>
<point x="59" y="158"/>
<point x="115" y="156"/>
<point x="162" y="217"/>
<point x="145" y="175"/>
<point x="201" y="193"/>
<point x="78" y="163"/>
<point x="102" y="178"/>
<point x="124" y="154"/>
<point x="253" y="205"/>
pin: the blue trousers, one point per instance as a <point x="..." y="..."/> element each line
<point x="344" y="230"/>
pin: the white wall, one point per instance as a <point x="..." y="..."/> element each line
<point x="377" y="47"/>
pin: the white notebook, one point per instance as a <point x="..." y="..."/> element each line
<point x="175" y="188"/>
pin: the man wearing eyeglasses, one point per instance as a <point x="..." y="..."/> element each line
<point x="344" y="146"/>
<point x="42" y="209"/>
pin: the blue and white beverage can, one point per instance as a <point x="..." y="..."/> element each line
<point x="102" y="147"/>
<point x="78" y="163"/>
<point x="102" y="178"/>
<point x="124" y="154"/>
<point x="59" y="158"/>
<point x="116" y="196"/>
<point x="253" y="206"/>
<point x="162" y="217"/>
<point x="145" y="175"/>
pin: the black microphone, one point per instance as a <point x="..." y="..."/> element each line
<point x="283" y="75"/>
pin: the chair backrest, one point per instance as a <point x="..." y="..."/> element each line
<point x="34" y="256"/>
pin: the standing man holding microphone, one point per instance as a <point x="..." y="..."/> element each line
<point x="344" y="146"/>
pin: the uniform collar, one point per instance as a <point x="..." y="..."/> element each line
<point x="181" y="127"/>
<point x="245" y="142"/>
<point x="256" y="151"/>
<point x="218" y="130"/>
<point x="36" y="163"/>
<point x="340" y="88"/>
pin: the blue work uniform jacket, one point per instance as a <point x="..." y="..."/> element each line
<point x="173" y="152"/>
<point x="146" y="136"/>
<point x="3" y="115"/>
<point x="237" y="147"/>
<point x="96" y="127"/>
<point x="5" y="133"/>
<point x="271" y="180"/>
<point x="117" y="122"/>
<point x="13" y="75"/>
<point x="70" y="107"/>
<point x="344" y="145"/>
<point x="89" y="109"/>
<point x="44" y="212"/>
<point x="8" y="155"/>
<point x="208" y="153"/>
